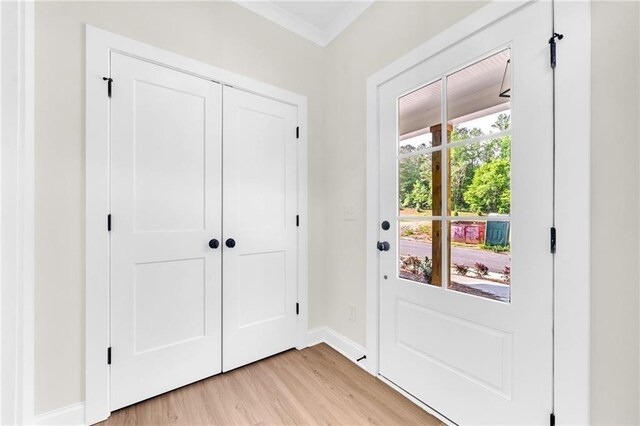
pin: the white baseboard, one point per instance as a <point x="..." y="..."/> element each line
<point x="69" y="415"/>
<point x="340" y="343"/>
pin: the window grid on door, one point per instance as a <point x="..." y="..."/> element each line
<point x="438" y="151"/>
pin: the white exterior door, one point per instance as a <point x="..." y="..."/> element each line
<point x="165" y="197"/>
<point x="465" y="263"/>
<point x="260" y="233"/>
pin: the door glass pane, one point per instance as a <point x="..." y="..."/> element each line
<point x="480" y="176"/>
<point x="418" y="112"/>
<point x="419" y="179"/>
<point x="481" y="258"/>
<point x="477" y="95"/>
<point x="417" y="256"/>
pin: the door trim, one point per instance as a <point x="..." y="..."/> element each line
<point x="17" y="194"/>
<point x="99" y="44"/>
<point x="572" y="283"/>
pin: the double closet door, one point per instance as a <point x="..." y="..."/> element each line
<point x="203" y="239"/>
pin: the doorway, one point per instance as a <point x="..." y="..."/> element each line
<point x="465" y="207"/>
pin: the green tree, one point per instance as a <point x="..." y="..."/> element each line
<point x="420" y="196"/>
<point x="415" y="179"/>
<point x="490" y="189"/>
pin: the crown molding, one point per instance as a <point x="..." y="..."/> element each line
<point x="322" y="37"/>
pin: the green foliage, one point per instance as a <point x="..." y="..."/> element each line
<point x="415" y="174"/>
<point x="426" y="269"/>
<point x="406" y="231"/>
<point x="490" y="188"/>
<point x="497" y="249"/>
<point x="420" y="196"/>
<point x="466" y="159"/>
<point x="416" y="266"/>
<point x="415" y="180"/>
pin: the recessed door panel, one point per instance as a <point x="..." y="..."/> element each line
<point x="168" y="307"/>
<point x="262" y="290"/>
<point x="169" y="159"/>
<point x="165" y="207"/>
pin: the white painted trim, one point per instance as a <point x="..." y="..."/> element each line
<point x="293" y="23"/>
<point x="572" y="295"/>
<point x="99" y="44"/>
<point x="16" y="202"/>
<point x="340" y="343"/>
<point x="572" y="303"/>
<point x="70" y="415"/>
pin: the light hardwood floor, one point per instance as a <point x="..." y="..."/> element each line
<point x="314" y="386"/>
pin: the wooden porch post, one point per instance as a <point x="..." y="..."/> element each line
<point x="436" y="185"/>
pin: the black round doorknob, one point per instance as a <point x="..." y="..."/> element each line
<point x="383" y="245"/>
<point x="231" y="243"/>
<point x="214" y="244"/>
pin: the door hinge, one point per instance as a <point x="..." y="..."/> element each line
<point x="297" y="309"/>
<point x="297" y="132"/>
<point x="552" y="48"/>
<point x="109" y="355"/>
<point x="552" y="419"/>
<point x="553" y="240"/>
<point x="109" y="82"/>
<point x="297" y="220"/>
<point x="109" y="222"/>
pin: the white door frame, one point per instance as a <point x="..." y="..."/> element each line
<point x="572" y="278"/>
<point x="17" y="218"/>
<point x="99" y="44"/>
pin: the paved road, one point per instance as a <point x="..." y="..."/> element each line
<point x="461" y="255"/>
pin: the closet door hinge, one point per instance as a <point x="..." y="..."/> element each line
<point x="109" y="223"/>
<point x="109" y="356"/>
<point x="297" y="132"/>
<point x="552" y="48"/>
<point x="109" y="83"/>
<point x="552" y="419"/>
<point x="297" y="309"/>
<point x="297" y="220"/>
<point x="553" y="240"/>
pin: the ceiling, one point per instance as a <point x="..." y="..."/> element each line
<point x="471" y="92"/>
<point x="318" y="21"/>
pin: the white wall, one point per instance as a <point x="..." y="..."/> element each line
<point x="383" y="33"/>
<point x="615" y="212"/>
<point x="221" y="34"/>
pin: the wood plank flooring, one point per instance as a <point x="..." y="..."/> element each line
<point x="311" y="387"/>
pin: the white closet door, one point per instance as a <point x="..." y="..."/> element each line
<point x="165" y="197"/>
<point x="259" y="210"/>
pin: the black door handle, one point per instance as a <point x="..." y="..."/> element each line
<point x="384" y="245"/>
<point x="214" y="244"/>
<point x="231" y="243"/>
